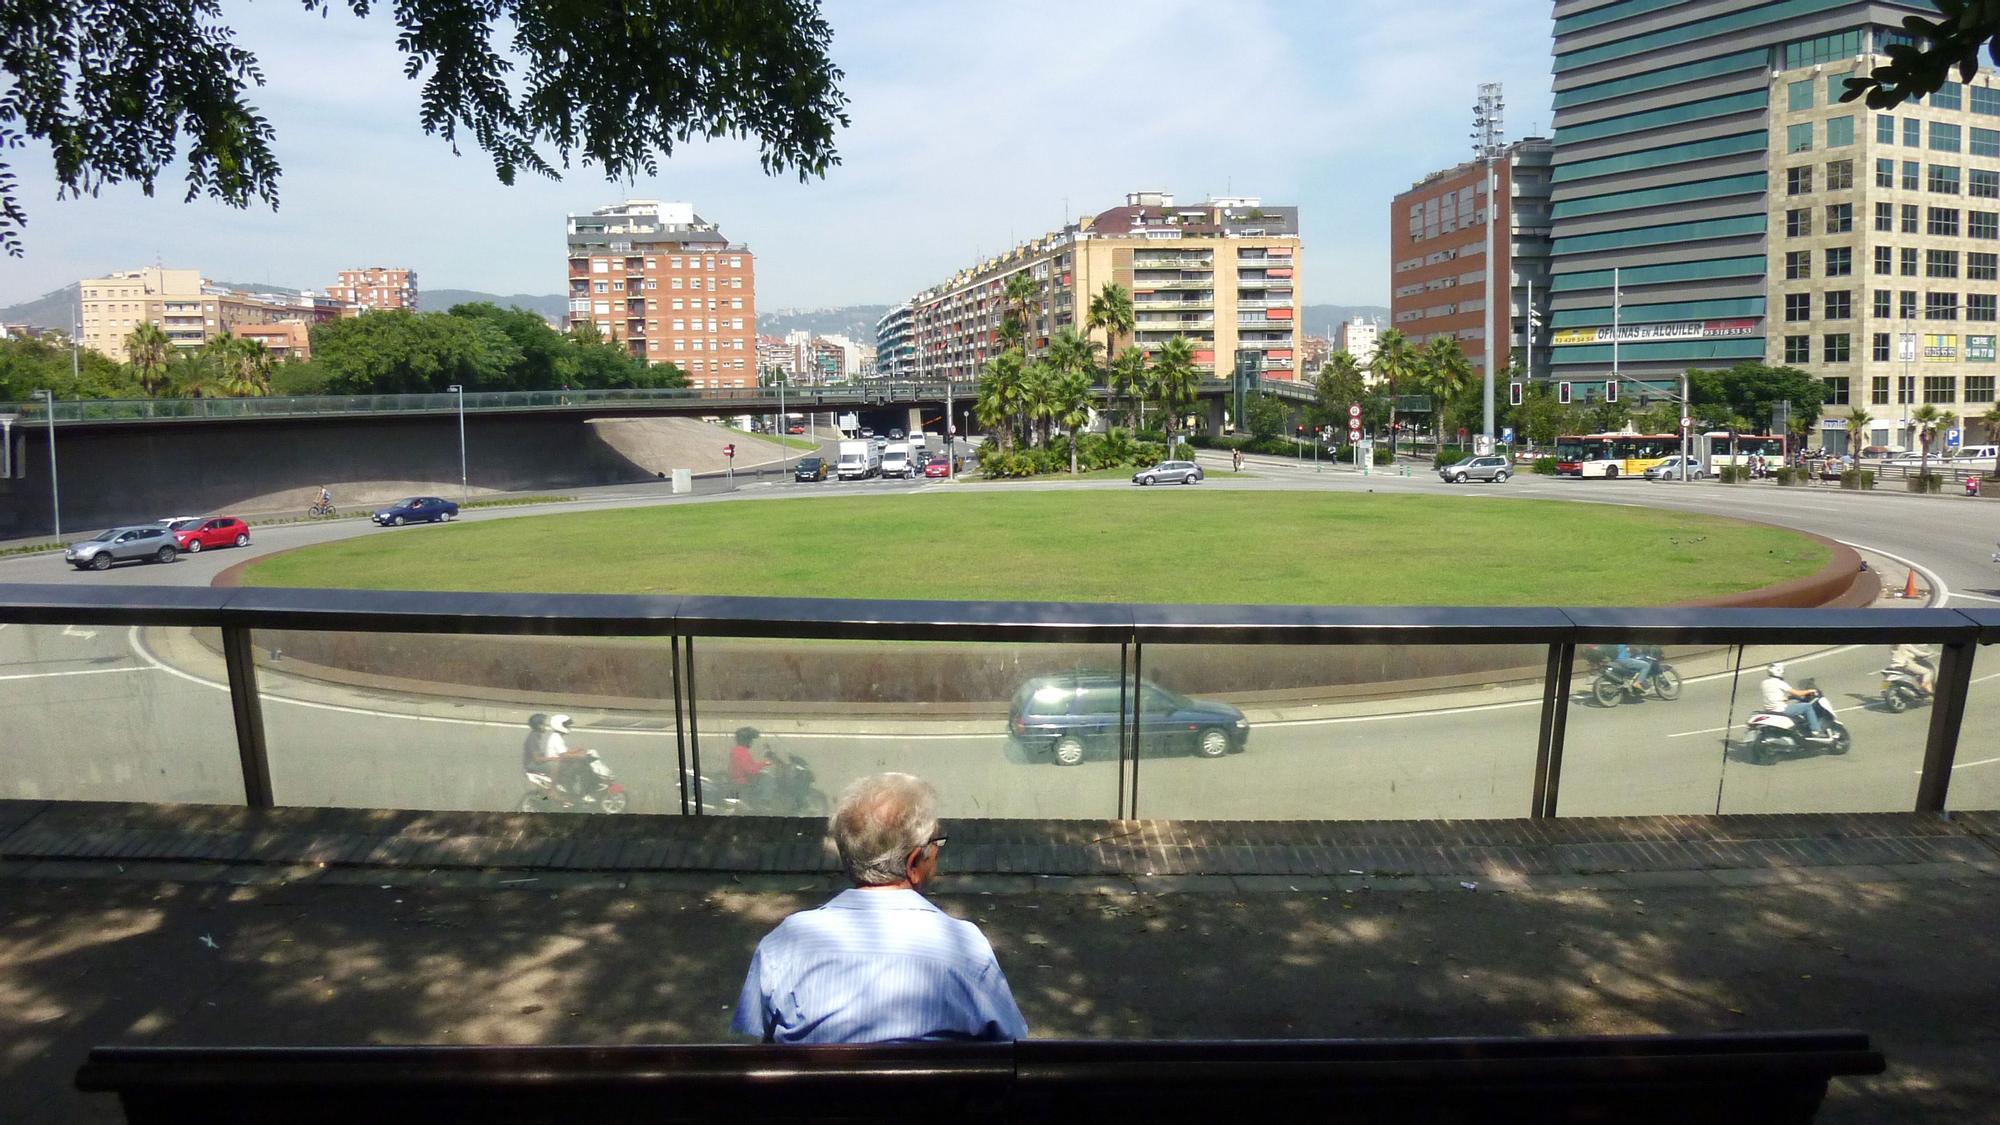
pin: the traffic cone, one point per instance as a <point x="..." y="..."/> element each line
<point x="1910" y="585"/>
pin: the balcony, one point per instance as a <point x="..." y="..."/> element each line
<point x="1174" y="283"/>
<point x="1277" y="303"/>
<point x="1173" y="262"/>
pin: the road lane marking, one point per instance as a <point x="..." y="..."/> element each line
<point x="1975" y="597"/>
<point x="73" y="631"/>
<point x="77" y="672"/>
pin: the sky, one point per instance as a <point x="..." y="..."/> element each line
<point x="973" y="126"/>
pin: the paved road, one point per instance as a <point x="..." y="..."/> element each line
<point x="120" y="714"/>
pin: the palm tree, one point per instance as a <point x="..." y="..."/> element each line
<point x="1445" y="374"/>
<point x="1111" y="310"/>
<point x="1858" y="421"/>
<point x="1072" y="402"/>
<point x="149" y="351"/>
<point x="1019" y="296"/>
<point x="1394" y="364"/>
<point x="1174" y="381"/>
<point x="1928" y="418"/>
<point x="1131" y="378"/>
<point x="242" y="367"/>
<point x="1039" y="399"/>
<point x="998" y="403"/>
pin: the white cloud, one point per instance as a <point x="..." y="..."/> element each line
<point x="973" y="125"/>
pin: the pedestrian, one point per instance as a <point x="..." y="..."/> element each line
<point x="880" y="962"/>
<point x="1236" y="460"/>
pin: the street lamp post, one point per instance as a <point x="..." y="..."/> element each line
<point x="55" y="490"/>
<point x="1486" y="141"/>
<point x="464" y="485"/>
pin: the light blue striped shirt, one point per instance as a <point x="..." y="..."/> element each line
<point x="873" y="967"/>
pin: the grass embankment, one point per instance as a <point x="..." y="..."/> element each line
<point x="785" y="440"/>
<point x="1161" y="544"/>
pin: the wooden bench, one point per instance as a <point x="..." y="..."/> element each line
<point x="1631" y="1080"/>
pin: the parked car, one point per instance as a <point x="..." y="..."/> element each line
<point x="428" y="509"/>
<point x="178" y="523"/>
<point x="122" y="544"/>
<point x="1168" y="472"/>
<point x="1072" y="716"/>
<point x="1670" y="469"/>
<point x="937" y="467"/>
<point x="196" y="536"/>
<point x="810" y="468"/>
<point x="1492" y="468"/>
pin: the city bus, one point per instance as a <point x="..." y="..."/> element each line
<point x="1613" y="455"/>
<point x="1717" y="448"/>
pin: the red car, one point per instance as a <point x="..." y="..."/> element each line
<point x="197" y="535"/>
<point x="937" y="468"/>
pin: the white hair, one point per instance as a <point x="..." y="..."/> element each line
<point x="878" y="822"/>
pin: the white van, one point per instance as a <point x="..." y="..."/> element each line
<point x="1972" y="455"/>
<point x="858" y="461"/>
<point x="896" y="459"/>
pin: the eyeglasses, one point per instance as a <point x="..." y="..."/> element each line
<point x="940" y="841"/>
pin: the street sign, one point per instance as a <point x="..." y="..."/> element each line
<point x="1354" y="410"/>
<point x="1686" y="422"/>
<point x="1951" y="438"/>
<point x="729" y="451"/>
<point x="1507" y="434"/>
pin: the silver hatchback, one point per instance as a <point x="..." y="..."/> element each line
<point x="1169" y="472"/>
<point x="122" y="544"/>
<point x="1492" y="468"/>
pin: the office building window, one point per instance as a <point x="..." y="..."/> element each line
<point x="1979" y="306"/>
<point x="1906" y="389"/>
<point x="1947" y="96"/>
<point x="1885" y="130"/>
<point x="1885" y="173"/>
<point x="1940" y="389"/>
<point x="1878" y="350"/>
<point x="1839" y="132"/>
<point x="1833" y="348"/>
<point x="1906" y="304"/>
<point x="1798" y="306"/>
<point x="1878" y="391"/>
<point x="1885" y="216"/>
<point x="1798" y="264"/>
<point x="1799" y="95"/>
<point x="1799" y="181"/>
<point x="1879" y="304"/>
<point x="1798" y="222"/>
<point x="1839" y="304"/>
<point x="1836" y="390"/>
<point x="1839" y="261"/>
<point x="1909" y="264"/>
<point x="1944" y="137"/>
<point x="1978" y="388"/>
<point x="1940" y="306"/>
<point x="1913" y="133"/>
<point x="1799" y="137"/>
<point x="1982" y="267"/>
<point x="1884" y="260"/>
<point x="1839" y="175"/>
<point x="1798" y="349"/>
<point x="1982" y="224"/>
<point x="1983" y="142"/>
<point x="1944" y="179"/>
<point x="1986" y="100"/>
<point x="1982" y="184"/>
<point x="1942" y="221"/>
<point x="1911" y="171"/>
<point x="1839" y="218"/>
<point x="1940" y="263"/>
<point x="1909" y="213"/>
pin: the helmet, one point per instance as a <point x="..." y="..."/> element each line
<point x="746" y="735"/>
<point x="1777" y="670"/>
<point x="559" y="723"/>
<point x="538" y="721"/>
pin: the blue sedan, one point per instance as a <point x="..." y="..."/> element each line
<point x="425" y="509"/>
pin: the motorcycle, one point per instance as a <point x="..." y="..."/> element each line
<point x="785" y="788"/>
<point x="1773" y="732"/>
<point x="1615" y="685"/>
<point x="1903" y="688"/>
<point x="603" y="794"/>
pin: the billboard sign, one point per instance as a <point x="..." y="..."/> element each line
<point x="1664" y="330"/>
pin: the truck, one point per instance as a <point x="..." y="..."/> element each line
<point x="896" y="459"/>
<point x="858" y="460"/>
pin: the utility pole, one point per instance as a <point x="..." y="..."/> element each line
<point x="1617" y="295"/>
<point x="1486" y="142"/>
<point x="55" y="489"/>
<point x="464" y="487"/>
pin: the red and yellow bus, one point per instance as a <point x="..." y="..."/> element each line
<point x="1613" y="455"/>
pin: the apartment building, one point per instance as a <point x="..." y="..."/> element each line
<point x="895" y="344"/>
<point x="664" y="282"/>
<point x="290" y="339"/>
<point x="376" y="287"/>
<point x="1437" y="250"/>
<point x="1358" y="338"/>
<point x="186" y="307"/>
<point x="1666" y="159"/>
<point x="1223" y="272"/>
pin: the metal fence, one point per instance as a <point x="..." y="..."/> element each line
<point x="1138" y="634"/>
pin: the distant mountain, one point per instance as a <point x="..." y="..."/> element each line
<point x="1321" y="320"/>
<point x="549" y="306"/>
<point x="856" y="322"/>
<point x="50" y="310"/>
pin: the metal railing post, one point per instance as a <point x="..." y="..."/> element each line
<point x="248" y="708"/>
<point x="1138" y="723"/>
<point x="693" y="727"/>
<point x="680" y="730"/>
<point x="1555" y="721"/>
<point x="1124" y="662"/>
<point x="1954" y="681"/>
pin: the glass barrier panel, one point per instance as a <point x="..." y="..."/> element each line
<point x="1645" y="730"/>
<point x="1349" y="732"/>
<point x="114" y="713"/>
<point x="443" y="721"/>
<point x="1865" y="757"/>
<point x="1975" y="774"/>
<point x="986" y="723"/>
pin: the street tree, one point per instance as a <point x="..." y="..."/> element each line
<point x="1446" y="375"/>
<point x="1132" y="379"/>
<point x="1174" y="382"/>
<point x="148" y="350"/>
<point x="997" y="404"/>
<point x="1072" y="406"/>
<point x="1263" y="416"/>
<point x="1039" y="400"/>
<point x="1928" y="418"/>
<point x="1937" y="48"/>
<point x="122" y="94"/>
<point x="1017" y="297"/>
<point x="1858" y="421"/>
<point x="1111" y="310"/>
<point x="1394" y="367"/>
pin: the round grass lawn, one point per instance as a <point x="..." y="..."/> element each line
<point x="1155" y="545"/>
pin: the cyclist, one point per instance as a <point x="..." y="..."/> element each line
<point x="324" y="504"/>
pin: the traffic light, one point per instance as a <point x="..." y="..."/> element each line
<point x="1301" y="430"/>
<point x="1562" y="392"/>
<point x="1611" y="390"/>
<point x="1513" y="394"/>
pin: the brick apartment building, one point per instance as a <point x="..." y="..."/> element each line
<point x="376" y="287"/>
<point x="659" y="279"/>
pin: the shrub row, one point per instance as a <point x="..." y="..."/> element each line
<point x="1093" y="452"/>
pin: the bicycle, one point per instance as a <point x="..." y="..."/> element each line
<point x="321" y="511"/>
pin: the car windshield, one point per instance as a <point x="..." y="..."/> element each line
<point x="183" y="525"/>
<point x="103" y="536"/>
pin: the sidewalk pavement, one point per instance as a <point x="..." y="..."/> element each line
<point x="232" y="932"/>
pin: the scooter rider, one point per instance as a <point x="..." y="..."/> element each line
<point x="1916" y="659"/>
<point x="1781" y="698"/>
<point x="546" y="751"/>
<point x="745" y="770"/>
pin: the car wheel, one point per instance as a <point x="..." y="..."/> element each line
<point x="194" y="547"/>
<point x="1700" y="474"/>
<point x="395" y="521"/>
<point x="1214" y="743"/>
<point x="1458" y="478"/>
<point x="450" y="516"/>
<point x="1069" y="751"/>
<point x="1189" y="479"/>
<point x="242" y="539"/>
<point x="1143" y="481"/>
<point x="101" y="561"/>
<point x="165" y="555"/>
<point x="1501" y="477"/>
